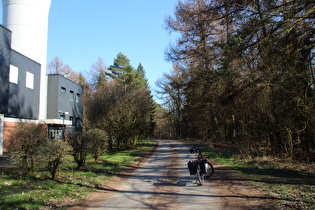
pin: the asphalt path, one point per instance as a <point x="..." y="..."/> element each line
<point x="163" y="182"/>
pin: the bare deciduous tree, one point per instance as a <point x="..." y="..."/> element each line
<point x="249" y="67"/>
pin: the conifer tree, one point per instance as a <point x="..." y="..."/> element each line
<point x="121" y="70"/>
<point x="140" y="79"/>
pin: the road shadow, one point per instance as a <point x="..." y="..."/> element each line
<point x="270" y="176"/>
<point x="228" y="186"/>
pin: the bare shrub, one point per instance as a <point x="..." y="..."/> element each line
<point x="79" y="148"/>
<point x="54" y="151"/>
<point x="25" y="141"/>
<point x="98" y="140"/>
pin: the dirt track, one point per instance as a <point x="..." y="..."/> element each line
<point x="163" y="182"/>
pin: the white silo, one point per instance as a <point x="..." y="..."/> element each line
<point x="28" y="21"/>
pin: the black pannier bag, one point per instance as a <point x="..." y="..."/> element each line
<point x="192" y="167"/>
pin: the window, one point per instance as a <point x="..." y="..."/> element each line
<point x="71" y="96"/>
<point x="78" y="98"/>
<point x="29" y="80"/>
<point x="63" y="89"/>
<point x="78" y="122"/>
<point x="14" y="74"/>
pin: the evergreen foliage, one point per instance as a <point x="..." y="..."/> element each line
<point x="123" y="106"/>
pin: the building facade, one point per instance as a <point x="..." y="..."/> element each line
<point x="20" y="87"/>
<point x="24" y="87"/>
<point x="28" y="21"/>
<point x="63" y="103"/>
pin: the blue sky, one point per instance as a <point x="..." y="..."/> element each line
<point x="81" y="31"/>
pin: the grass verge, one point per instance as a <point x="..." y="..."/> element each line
<point x="37" y="191"/>
<point x="290" y="182"/>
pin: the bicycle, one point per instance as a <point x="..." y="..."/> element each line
<point x="201" y="166"/>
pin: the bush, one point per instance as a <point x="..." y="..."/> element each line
<point x="55" y="150"/>
<point x="98" y="141"/>
<point x="25" y="141"/>
<point x="79" y="148"/>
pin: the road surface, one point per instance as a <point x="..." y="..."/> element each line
<point x="163" y="182"/>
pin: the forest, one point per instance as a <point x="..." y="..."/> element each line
<point x="242" y="77"/>
<point x="242" y="86"/>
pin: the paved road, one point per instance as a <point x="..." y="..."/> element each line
<point x="163" y="182"/>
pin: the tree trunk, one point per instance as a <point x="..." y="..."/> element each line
<point x="215" y="127"/>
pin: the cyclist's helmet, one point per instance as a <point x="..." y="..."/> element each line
<point x="193" y="150"/>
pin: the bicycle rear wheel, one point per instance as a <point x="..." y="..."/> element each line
<point x="200" y="176"/>
<point x="209" y="170"/>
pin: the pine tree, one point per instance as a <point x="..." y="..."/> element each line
<point x="140" y="78"/>
<point x="122" y="71"/>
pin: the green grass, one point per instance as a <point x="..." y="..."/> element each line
<point x="37" y="191"/>
<point x="291" y="183"/>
